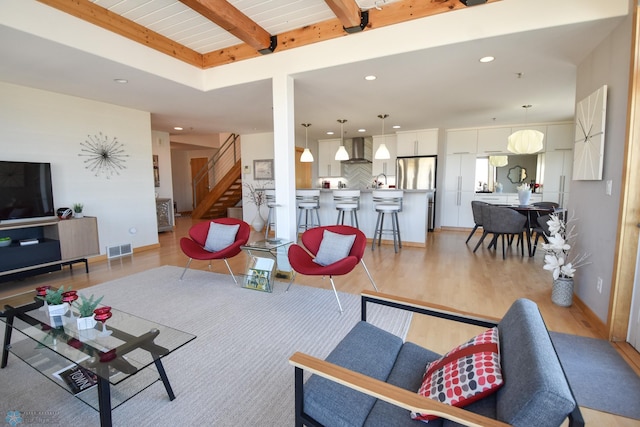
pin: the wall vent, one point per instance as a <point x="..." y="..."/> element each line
<point x="119" y="250"/>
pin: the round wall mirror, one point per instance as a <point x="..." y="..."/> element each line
<point x="517" y="174"/>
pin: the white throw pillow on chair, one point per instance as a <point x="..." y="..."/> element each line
<point x="220" y="236"/>
<point x="334" y="247"/>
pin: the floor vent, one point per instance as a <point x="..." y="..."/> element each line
<point x="119" y="250"/>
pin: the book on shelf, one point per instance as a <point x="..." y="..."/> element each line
<point x="25" y="242"/>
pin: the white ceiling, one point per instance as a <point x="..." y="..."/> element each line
<point x="443" y="87"/>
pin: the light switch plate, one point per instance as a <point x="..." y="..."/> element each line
<point x="609" y="187"/>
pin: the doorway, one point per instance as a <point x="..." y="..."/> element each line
<point x="202" y="186"/>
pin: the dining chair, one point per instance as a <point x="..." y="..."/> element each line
<point x="476" y="208"/>
<point x="502" y="221"/>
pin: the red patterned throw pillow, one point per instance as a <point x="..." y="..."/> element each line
<point x="465" y="374"/>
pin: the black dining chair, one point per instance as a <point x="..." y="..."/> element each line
<point x="476" y="208"/>
<point x="502" y="221"/>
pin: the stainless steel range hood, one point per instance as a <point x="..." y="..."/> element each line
<point x="357" y="151"/>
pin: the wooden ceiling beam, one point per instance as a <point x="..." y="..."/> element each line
<point x="394" y="13"/>
<point x="227" y="17"/>
<point x="113" y="22"/>
<point x="347" y="11"/>
<point x="390" y="14"/>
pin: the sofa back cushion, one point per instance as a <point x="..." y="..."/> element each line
<point x="535" y="391"/>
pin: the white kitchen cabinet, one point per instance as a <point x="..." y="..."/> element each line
<point x="462" y="141"/>
<point x="459" y="190"/>
<point x="418" y="143"/>
<point x="386" y="166"/>
<point x="493" y="140"/>
<point x="559" y="137"/>
<point x="558" y="166"/>
<point x="327" y="163"/>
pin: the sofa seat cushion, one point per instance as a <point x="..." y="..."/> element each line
<point x="365" y="349"/>
<point x="406" y="373"/>
<point x="535" y="392"/>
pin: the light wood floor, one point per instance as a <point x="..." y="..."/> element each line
<point x="446" y="272"/>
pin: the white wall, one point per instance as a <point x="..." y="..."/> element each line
<point x="48" y="127"/>
<point x="597" y="212"/>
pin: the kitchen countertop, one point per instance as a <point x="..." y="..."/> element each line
<point x="369" y="190"/>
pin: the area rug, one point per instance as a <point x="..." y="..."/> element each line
<point x="236" y="371"/>
<point x="599" y="377"/>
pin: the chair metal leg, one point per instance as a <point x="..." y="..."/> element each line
<point x="375" y="231"/>
<point x="335" y="292"/>
<point x="355" y="216"/>
<point x="231" y="272"/>
<point x="394" y="231"/>
<point x="484" y="234"/>
<point x="471" y="234"/>
<point x="317" y="215"/>
<point x="186" y="268"/>
<point x="369" y="274"/>
<point x="503" y="255"/>
<point x="291" y="281"/>
<point x="395" y="215"/>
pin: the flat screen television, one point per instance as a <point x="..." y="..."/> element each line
<point x="25" y="191"/>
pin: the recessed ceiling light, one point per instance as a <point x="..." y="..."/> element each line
<point x="177" y="128"/>
<point x="396" y="126"/>
<point x="370" y="78"/>
<point x="330" y="132"/>
<point x="486" y="59"/>
<point x="362" y="130"/>
<point x="121" y="81"/>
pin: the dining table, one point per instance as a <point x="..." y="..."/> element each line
<point x="532" y="212"/>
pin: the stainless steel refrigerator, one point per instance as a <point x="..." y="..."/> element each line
<point x="419" y="173"/>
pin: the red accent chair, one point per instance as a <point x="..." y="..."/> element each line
<point x="193" y="246"/>
<point x="301" y="260"/>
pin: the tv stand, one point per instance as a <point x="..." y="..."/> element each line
<point x="60" y="243"/>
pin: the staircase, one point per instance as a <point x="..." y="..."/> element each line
<point x="225" y="168"/>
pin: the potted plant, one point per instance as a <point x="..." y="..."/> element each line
<point x="77" y="210"/>
<point x="85" y="311"/>
<point x="53" y="301"/>
<point x="557" y="259"/>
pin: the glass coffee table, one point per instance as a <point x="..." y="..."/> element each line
<point x="267" y="259"/>
<point x="104" y="366"/>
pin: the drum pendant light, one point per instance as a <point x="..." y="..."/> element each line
<point x="527" y="141"/>
<point x="306" y="156"/>
<point x="342" y="154"/>
<point x="382" y="153"/>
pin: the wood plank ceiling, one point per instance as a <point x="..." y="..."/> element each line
<point x="209" y="33"/>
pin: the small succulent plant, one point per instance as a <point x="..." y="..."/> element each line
<point x="86" y="305"/>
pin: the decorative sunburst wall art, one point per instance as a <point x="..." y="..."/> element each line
<point x="588" y="149"/>
<point x="104" y="156"/>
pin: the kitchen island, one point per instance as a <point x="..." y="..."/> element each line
<point x="412" y="219"/>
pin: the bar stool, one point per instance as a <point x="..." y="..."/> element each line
<point x="387" y="202"/>
<point x="270" y="198"/>
<point x="347" y="201"/>
<point x="308" y="202"/>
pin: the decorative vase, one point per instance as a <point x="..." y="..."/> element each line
<point x="258" y="222"/>
<point x="85" y="323"/>
<point x="78" y="215"/>
<point x="523" y="197"/>
<point x="562" y="291"/>
<point x="58" y="309"/>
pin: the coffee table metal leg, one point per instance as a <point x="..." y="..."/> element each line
<point x="104" y="401"/>
<point x="164" y="378"/>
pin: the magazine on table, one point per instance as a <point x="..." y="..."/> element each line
<point x="77" y="378"/>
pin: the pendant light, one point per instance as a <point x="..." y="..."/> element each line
<point x="306" y="156"/>
<point x="382" y="153"/>
<point x="498" y="161"/>
<point x="527" y="141"/>
<point x="342" y="154"/>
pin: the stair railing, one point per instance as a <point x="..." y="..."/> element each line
<point x="217" y="166"/>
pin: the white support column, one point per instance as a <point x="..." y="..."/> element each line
<point x="284" y="156"/>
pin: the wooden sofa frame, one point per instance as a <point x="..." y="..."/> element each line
<point x="406" y="399"/>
